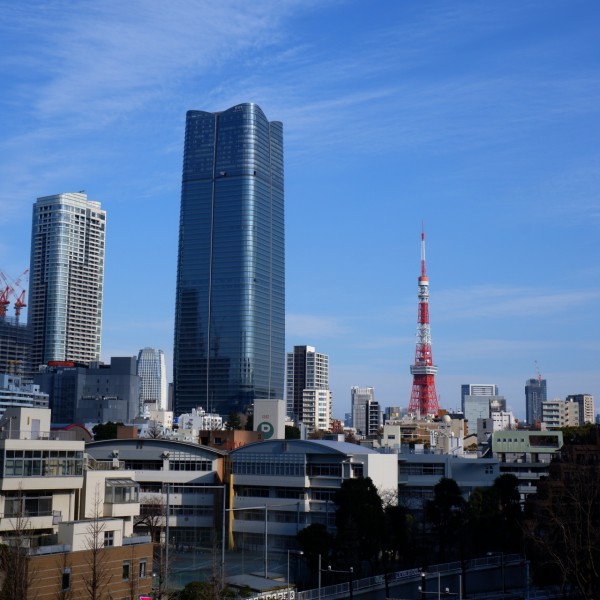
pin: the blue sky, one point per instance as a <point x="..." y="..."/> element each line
<point x="480" y="119"/>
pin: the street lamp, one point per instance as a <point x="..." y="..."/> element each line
<point x="350" y="571"/>
<point x="297" y="553"/>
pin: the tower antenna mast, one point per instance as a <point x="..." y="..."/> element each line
<point x="423" y="397"/>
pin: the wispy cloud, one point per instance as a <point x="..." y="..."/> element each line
<point x="508" y="301"/>
<point x="311" y="326"/>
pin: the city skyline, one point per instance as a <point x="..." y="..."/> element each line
<point x="479" y="119"/>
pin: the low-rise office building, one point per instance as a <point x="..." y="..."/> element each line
<point x="419" y="473"/>
<point x="526" y="454"/>
<point x="282" y="486"/>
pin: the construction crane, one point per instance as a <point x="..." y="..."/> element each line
<point x="537" y="368"/>
<point x="9" y="290"/>
<point x="4" y="301"/>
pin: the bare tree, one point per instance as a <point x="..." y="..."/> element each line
<point x="64" y="566"/>
<point x="133" y="580"/>
<point x="14" y="553"/>
<point x="152" y="518"/>
<point x="97" y="577"/>
<point x="563" y="523"/>
<point x="154" y="431"/>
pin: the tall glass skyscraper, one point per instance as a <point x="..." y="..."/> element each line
<point x="153" y="377"/>
<point x="535" y="394"/>
<point x="66" y="278"/>
<point x="230" y="304"/>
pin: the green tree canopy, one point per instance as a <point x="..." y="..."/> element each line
<point x="446" y="514"/>
<point x="105" y="431"/>
<point x="360" y="522"/>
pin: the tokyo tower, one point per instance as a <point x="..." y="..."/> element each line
<point x="423" y="398"/>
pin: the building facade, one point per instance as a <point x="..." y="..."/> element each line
<point x="481" y="407"/>
<point x="66" y="278"/>
<point x="476" y="389"/>
<point x="66" y="516"/>
<point x="586" y="407"/>
<point x="153" y="377"/>
<point x="291" y="484"/>
<point x="316" y="410"/>
<point x="17" y="391"/>
<point x="92" y="394"/>
<point x="230" y="306"/>
<point x="526" y="455"/>
<point x="560" y="413"/>
<point x="306" y="369"/>
<point x="15" y="347"/>
<point x="535" y="394"/>
<point x="366" y="412"/>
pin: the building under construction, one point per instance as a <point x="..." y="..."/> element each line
<point x="15" y="347"/>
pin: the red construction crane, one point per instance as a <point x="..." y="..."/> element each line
<point x="423" y="398"/>
<point x="4" y="301"/>
<point x="13" y="288"/>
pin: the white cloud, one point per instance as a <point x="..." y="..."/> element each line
<point x="501" y="301"/>
<point x="313" y="326"/>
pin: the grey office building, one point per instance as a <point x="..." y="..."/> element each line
<point x="230" y="303"/>
<point x="92" y="394"/>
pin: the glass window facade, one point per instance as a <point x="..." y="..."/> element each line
<point x="230" y="304"/>
<point x="42" y="463"/>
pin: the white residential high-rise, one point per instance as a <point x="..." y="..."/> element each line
<point x="308" y="369"/>
<point x="152" y="371"/>
<point x="66" y="279"/>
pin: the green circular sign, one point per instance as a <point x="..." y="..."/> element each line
<point x="266" y="429"/>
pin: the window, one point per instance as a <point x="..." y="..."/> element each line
<point x="66" y="580"/>
<point x="109" y="538"/>
<point x="126" y="566"/>
<point x="142" y="569"/>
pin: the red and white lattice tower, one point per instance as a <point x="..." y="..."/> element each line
<point x="423" y="398"/>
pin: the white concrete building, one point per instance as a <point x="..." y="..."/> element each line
<point x="316" y="408"/>
<point x="16" y="391"/>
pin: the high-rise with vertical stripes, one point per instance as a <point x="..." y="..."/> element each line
<point x="230" y="304"/>
<point x="66" y="278"/>
<point x="153" y="377"/>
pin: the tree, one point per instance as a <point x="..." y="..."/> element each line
<point x="97" y="577"/>
<point x="446" y="514"/>
<point x="315" y="541"/>
<point x="154" y="431"/>
<point x="495" y="517"/>
<point x="234" y="421"/>
<point x="563" y="519"/>
<point x="105" y="431"/>
<point x="360" y="522"/>
<point x="292" y="433"/>
<point x="14" y="552"/>
<point x="204" y="590"/>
